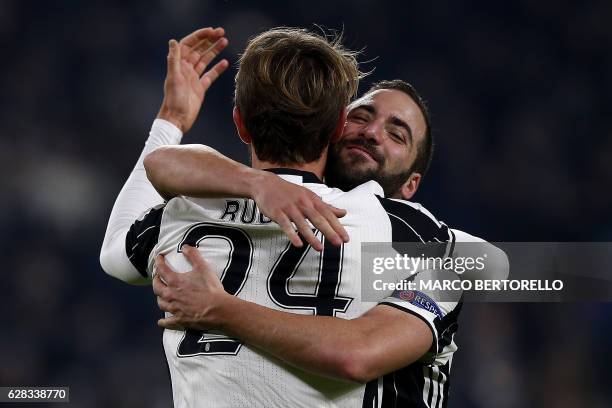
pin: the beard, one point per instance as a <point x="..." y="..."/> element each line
<point x="347" y="174"/>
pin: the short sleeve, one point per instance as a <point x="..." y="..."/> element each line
<point x="439" y="315"/>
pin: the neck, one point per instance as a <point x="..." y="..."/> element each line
<point x="316" y="167"/>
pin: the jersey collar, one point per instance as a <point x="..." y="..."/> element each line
<point x="307" y="177"/>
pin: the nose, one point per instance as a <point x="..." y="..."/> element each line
<point x="373" y="132"/>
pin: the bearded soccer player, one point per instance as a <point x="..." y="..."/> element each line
<point x="380" y="318"/>
<point x="386" y="138"/>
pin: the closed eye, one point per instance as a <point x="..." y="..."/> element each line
<point x="397" y="136"/>
<point x="358" y="118"/>
<point x="361" y="114"/>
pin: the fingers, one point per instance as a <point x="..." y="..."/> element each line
<point x="174" y="59"/>
<point x="338" y="228"/>
<point x="338" y="212"/>
<point x="214" y="73"/>
<point x="164" y="305"/>
<point x="203" y="33"/>
<point x="306" y="232"/>
<point x="210" y="54"/>
<point x="194" y="257"/>
<point x="331" y="214"/>
<point x="323" y="225"/>
<point x="285" y="224"/>
<point x="204" y="44"/>
<point x="158" y="286"/>
<point x="322" y="217"/>
<point x="165" y="273"/>
<point x="170" y="323"/>
<point x="196" y="52"/>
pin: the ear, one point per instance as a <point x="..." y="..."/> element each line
<point x="244" y="134"/>
<point x="337" y="135"/>
<point x="410" y="186"/>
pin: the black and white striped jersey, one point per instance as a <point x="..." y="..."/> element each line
<point x="426" y="382"/>
<point x="256" y="262"/>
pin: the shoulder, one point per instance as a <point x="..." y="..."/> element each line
<point x="368" y="188"/>
<point x="409" y="209"/>
<point x="413" y="222"/>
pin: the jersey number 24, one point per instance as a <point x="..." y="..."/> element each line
<point x="324" y="302"/>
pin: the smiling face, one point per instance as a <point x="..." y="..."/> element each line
<point x="383" y="131"/>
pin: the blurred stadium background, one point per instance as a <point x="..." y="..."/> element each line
<point x="521" y="97"/>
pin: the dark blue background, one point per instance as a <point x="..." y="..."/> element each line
<point x="520" y="96"/>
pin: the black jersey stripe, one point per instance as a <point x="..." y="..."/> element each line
<point x="417" y="226"/>
<point x="442" y="379"/>
<point x="445" y="369"/>
<point x="389" y="396"/>
<point x="447" y="327"/>
<point x="436" y="386"/>
<point x="142" y="237"/>
<point x="430" y="385"/>
<point x="404" y="388"/>
<point x="419" y="385"/>
<point x="409" y="224"/>
<point x="370" y="396"/>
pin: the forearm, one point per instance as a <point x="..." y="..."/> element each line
<point x="199" y="171"/>
<point x="377" y="343"/>
<point x="380" y="341"/>
<point x="322" y="345"/>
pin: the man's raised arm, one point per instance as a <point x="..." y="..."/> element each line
<point x="183" y="96"/>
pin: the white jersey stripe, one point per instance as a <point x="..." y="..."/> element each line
<point x="427" y="384"/>
<point x="441" y="383"/>
<point x="145" y="230"/>
<point x="435" y="393"/>
<point x="395" y="389"/>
